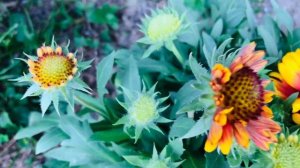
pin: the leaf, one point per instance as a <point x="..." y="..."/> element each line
<point x="110" y="135"/>
<point x="217" y="29"/>
<point x="49" y="140"/>
<point x="31" y="90"/>
<point x="181" y="126"/>
<point x="215" y="160"/>
<point x="104" y="72"/>
<point x="283" y="17"/>
<point x="250" y="15"/>
<point x="140" y="161"/>
<point x="269" y="41"/>
<point x="46" y="100"/>
<point x="35" y="128"/>
<point x="193" y="161"/>
<point x="199" y="72"/>
<point x="184" y="96"/>
<point x="78" y="149"/>
<point x="91" y="103"/>
<point x="200" y="127"/>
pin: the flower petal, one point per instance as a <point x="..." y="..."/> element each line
<point x="282" y="88"/>
<point x="296" y="105"/>
<point x="290" y="72"/>
<point x="226" y="140"/>
<point x="241" y="135"/>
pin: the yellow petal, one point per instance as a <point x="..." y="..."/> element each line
<point x="226" y="140"/>
<point x="268" y="96"/>
<point x="58" y="50"/>
<point x="267" y="112"/>
<point x="40" y="52"/>
<point x="210" y="146"/>
<point x="296" y="118"/>
<point x="296" y="105"/>
<point x="290" y="72"/>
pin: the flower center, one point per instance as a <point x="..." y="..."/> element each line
<point x="163" y="26"/>
<point x="53" y="70"/>
<point x="244" y="93"/>
<point x="143" y="109"/>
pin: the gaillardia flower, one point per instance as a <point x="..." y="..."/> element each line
<point x="285" y="154"/>
<point x="287" y="81"/>
<point x="160" y="29"/>
<point x="240" y="101"/>
<point x="53" y="74"/>
<point x="143" y="111"/>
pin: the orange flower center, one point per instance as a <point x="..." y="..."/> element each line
<point x="243" y="92"/>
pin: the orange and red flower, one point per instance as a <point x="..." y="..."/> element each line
<point x="240" y="99"/>
<point x="287" y="81"/>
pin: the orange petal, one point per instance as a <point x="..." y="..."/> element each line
<point x="40" y="52"/>
<point x="58" y="50"/>
<point x="226" y="140"/>
<point x="241" y="135"/>
<point x="268" y="96"/>
<point x="215" y="133"/>
<point x="210" y="146"/>
<point x="221" y="73"/>
<point x="267" y="112"/>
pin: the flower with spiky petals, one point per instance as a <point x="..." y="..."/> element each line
<point x="240" y="101"/>
<point x="53" y="73"/>
<point x="143" y="111"/>
<point x="287" y="80"/>
<point x="160" y="29"/>
<point x="285" y="154"/>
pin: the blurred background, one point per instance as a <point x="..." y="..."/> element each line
<point x="94" y="28"/>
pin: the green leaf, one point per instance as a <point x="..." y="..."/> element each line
<point x="46" y="100"/>
<point x="217" y="29"/>
<point x="181" y="126"/>
<point x="35" y="128"/>
<point x="91" y="103"/>
<point x="269" y="41"/>
<point x="250" y="15"/>
<point x="199" y="72"/>
<point x="140" y="161"/>
<point x="32" y="90"/>
<point x="193" y="161"/>
<point x="283" y="17"/>
<point x="200" y="127"/>
<point x="110" y="135"/>
<point x="5" y="121"/>
<point x="49" y="140"/>
<point x="104" y="72"/>
<point x="215" y="160"/>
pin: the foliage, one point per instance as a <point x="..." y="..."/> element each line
<point x="170" y="77"/>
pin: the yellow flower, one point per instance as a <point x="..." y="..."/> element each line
<point x="285" y="154"/>
<point x="163" y="26"/>
<point x="240" y="101"/>
<point x="287" y="80"/>
<point x="52" y="68"/>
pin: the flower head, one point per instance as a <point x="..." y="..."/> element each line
<point x="162" y="25"/>
<point x="287" y="80"/>
<point x="53" y="75"/>
<point x="52" y="68"/>
<point x="143" y="111"/>
<point x="285" y="154"/>
<point x="240" y="100"/>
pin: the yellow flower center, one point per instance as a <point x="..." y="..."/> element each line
<point x="163" y="26"/>
<point x="286" y="153"/>
<point x="244" y="93"/>
<point x="52" y="69"/>
<point x="143" y="109"/>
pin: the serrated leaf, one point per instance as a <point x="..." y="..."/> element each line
<point x="215" y="160"/>
<point x="200" y="127"/>
<point x="140" y="161"/>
